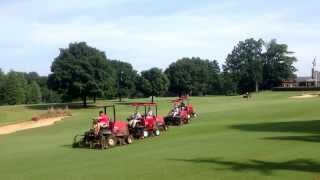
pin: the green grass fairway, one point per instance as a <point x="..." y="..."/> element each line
<point x="13" y="114"/>
<point x="267" y="137"/>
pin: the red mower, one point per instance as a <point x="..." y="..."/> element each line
<point x="185" y="101"/>
<point x="181" y="113"/>
<point x="148" y="124"/>
<point x="113" y="133"/>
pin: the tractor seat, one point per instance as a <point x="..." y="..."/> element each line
<point x="105" y="126"/>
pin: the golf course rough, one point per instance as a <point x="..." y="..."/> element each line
<point x="270" y="136"/>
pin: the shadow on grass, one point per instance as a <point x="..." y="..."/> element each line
<point x="61" y="105"/>
<point x="310" y="127"/>
<point x="314" y="139"/>
<point x="264" y="167"/>
<point x="67" y="146"/>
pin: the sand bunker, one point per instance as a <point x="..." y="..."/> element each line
<point x="303" y="96"/>
<point x="8" y="129"/>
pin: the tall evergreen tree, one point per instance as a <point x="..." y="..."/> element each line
<point x="34" y="95"/>
<point x="2" y="81"/>
<point x="215" y="79"/>
<point x="14" y="91"/>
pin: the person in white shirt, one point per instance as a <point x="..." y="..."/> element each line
<point x="135" y="118"/>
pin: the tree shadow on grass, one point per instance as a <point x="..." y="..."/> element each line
<point x="68" y="146"/>
<point x="62" y="106"/>
<point x="314" y="139"/>
<point x="264" y="167"/>
<point x="310" y="127"/>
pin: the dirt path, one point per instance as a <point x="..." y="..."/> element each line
<point x="8" y="129"/>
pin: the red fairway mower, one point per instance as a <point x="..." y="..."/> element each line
<point x="181" y="113"/>
<point x="189" y="107"/>
<point x="148" y="124"/>
<point x="178" y="115"/>
<point x="116" y="133"/>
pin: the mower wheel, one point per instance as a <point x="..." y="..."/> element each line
<point x="129" y="139"/>
<point x="165" y="127"/>
<point x="157" y="132"/>
<point x="103" y="143"/>
<point x="145" y="134"/>
<point x="75" y="145"/>
<point x="112" y="141"/>
<point x="91" y="146"/>
<point x="181" y="122"/>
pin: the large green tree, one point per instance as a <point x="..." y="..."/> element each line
<point x="14" y="89"/>
<point x="157" y="82"/>
<point x="2" y="81"/>
<point x="244" y="65"/>
<point x="125" y="78"/>
<point x="81" y="71"/>
<point x="143" y="87"/>
<point x="228" y="86"/>
<point x="277" y="64"/>
<point x="214" y="79"/>
<point x="48" y="95"/>
<point x="193" y="76"/>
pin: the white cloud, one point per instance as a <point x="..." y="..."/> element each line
<point x="209" y="32"/>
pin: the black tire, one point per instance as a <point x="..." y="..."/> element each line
<point x="91" y="146"/>
<point x="165" y="127"/>
<point x="129" y="139"/>
<point x="103" y="142"/>
<point x="181" y="122"/>
<point x="75" y="145"/>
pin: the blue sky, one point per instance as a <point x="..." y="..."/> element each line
<point x="150" y="33"/>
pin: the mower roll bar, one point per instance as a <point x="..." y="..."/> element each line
<point x="113" y="110"/>
<point x="181" y="99"/>
<point x="145" y="105"/>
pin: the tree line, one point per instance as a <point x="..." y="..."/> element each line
<point x="81" y="72"/>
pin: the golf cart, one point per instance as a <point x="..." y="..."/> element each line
<point x="148" y="124"/>
<point x="116" y="132"/>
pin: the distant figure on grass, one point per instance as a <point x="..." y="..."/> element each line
<point x="102" y="121"/>
<point x="247" y="95"/>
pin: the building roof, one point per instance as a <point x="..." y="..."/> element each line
<point x="304" y="79"/>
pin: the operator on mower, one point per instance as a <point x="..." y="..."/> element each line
<point x="134" y="119"/>
<point x="175" y="111"/>
<point x="102" y="121"/>
<point x="150" y="113"/>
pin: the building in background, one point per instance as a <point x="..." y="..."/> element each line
<point x="305" y="81"/>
